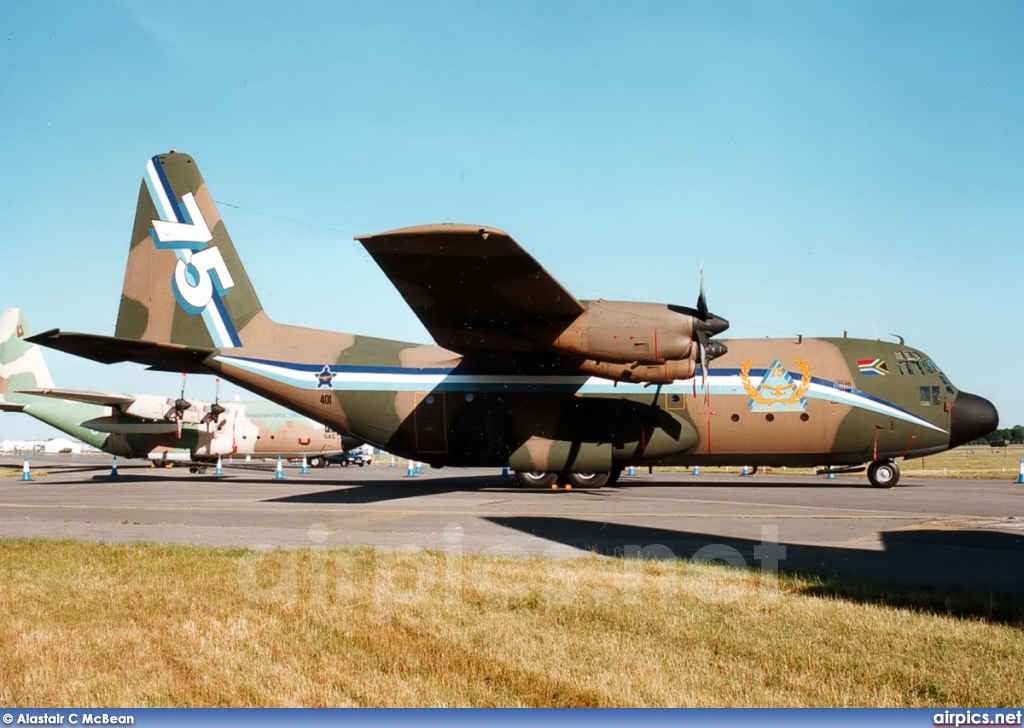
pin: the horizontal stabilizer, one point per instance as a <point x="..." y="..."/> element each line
<point x="11" y="407"/>
<point x="119" y="425"/>
<point x="101" y="398"/>
<point x="112" y="350"/>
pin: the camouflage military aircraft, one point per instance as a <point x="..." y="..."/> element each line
<point x="151" y="426"/>
<point x="523" y="373"/>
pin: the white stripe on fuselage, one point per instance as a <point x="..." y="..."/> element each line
<point x="357" y="379"/>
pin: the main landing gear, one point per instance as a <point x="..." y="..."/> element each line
<point x="883" y="473"/>
<point x="585" y="480"/>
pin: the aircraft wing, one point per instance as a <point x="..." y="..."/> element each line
<point x="101" y="398"/>
<point x="111" y="350"/>
<point x="474" y="288"/>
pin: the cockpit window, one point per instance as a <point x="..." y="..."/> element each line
<point x="929" y="396"/>
<point x="911" y="363"/>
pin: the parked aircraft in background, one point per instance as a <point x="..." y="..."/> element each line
<point x="153" y="426"/>
<point x="524" y="374"/>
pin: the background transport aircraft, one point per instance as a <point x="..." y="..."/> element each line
<point x="152" y="426"/>
<point x="524" y="374"/>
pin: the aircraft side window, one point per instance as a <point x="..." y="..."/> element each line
<point x="929" y="396"/>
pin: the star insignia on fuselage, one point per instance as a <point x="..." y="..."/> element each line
<point x="325" y="378"/>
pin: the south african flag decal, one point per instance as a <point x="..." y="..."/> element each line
<point x="872" y="367"/>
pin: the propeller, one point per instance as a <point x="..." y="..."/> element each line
<point x="705" y="326"/>
<point x="181" y="406"/>
<point x="216" y="409"/>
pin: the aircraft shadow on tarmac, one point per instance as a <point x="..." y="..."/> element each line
<point x="377" y="491"/>
<point x="958" y="561"/>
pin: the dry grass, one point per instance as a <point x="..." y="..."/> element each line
<point x="969" y="462"/>
<point x="145" y="625"/>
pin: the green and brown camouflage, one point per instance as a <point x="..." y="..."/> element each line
<point x="147" y="426"/>
<point x="522" y="374"/>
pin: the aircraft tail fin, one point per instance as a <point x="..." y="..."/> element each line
<point x="184" y="282"/>
<point x="21" y="363"/>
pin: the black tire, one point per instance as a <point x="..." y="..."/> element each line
<point x="884" y="474"/>
<point x="535" y="478"/>
<point x="613" y="478"/>
<point x="587" y="479"/>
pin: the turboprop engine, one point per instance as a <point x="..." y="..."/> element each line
<point x="643" y="342"/>
<point x="154" y="407"/>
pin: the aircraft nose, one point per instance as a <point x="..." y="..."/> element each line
<point x="971" y="417"/>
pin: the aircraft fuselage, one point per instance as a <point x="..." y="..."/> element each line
<point x="810" y="402"/>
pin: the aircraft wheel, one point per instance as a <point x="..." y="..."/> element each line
<point x="193" y="469"/>
<point x="613" y="477"/>
<point x="587" y="479"/>
<point x="316" y="462"/>
<point x="884" y="474"/>
<point x="535" y="478"/>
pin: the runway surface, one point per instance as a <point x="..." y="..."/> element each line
<point x="964" y="535"/>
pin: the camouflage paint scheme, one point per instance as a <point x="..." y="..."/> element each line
<point x="524" y="374"/>
<point x="263" y="429"/>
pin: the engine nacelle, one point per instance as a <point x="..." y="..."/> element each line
<point x="637" y="373"/>
<point x="154" y="407"/>
<point x="625" y="332"/>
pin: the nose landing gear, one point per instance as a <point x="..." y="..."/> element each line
<point x="883" y="473"/>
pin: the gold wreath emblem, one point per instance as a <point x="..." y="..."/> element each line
<point x="798" y="393"/>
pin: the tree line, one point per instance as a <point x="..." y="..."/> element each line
<point x="1007" y="435"/>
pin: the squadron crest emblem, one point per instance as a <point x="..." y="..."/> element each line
<point x="777" y="391"/>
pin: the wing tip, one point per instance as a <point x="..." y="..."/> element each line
<point x="443" y="228"/>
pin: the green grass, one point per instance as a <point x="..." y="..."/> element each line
<point x="970" y="462"/>
<point x="146" y="625"/>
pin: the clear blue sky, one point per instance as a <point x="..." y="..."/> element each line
<point x="835" y="165"/>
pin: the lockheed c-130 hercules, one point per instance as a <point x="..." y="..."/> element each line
<point x="523" y="374"/>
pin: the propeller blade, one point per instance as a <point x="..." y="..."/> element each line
<point x="216" y="409"/>
<point x="702" y="301"/>
<point x="702" y="342"/>
<point x="181" y="405"/>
